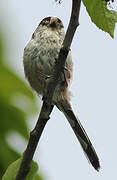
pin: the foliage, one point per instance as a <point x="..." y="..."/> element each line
<point x="12" y="88"/>
<point x="104" y="18"/>
<point x="11" y="172"/>
<point x="12" y="117"/>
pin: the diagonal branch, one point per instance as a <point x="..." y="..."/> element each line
<point x="47" y="107"/>
<point x="74" y="22"/>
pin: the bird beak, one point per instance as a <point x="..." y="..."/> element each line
<point x="53" y="22"/>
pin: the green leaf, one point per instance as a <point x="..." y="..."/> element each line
<point x="7" y="156"/>
<point x="1" y="49"/>
<point x="37" y="177"/>
<point x="16" y="102"/>
<point x="12" y="119"/>
<point x="11" y="85"/>
<point x="104" y="18"/>
<point x="12" y="170"/>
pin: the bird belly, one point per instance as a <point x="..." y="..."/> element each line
<point x="38" y="66"/>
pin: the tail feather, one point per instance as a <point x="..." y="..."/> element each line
<point x="82" y="137"/>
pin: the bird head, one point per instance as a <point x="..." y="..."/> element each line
<point x="49" y="25"/>
<point x="52" y="22"/>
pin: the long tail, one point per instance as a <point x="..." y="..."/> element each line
<point x="82" y="137"/>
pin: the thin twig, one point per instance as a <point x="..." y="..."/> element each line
<point x="47" y="107"/>
<point x="33" y="141"/>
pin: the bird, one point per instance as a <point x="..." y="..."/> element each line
<point x="39" y="59"/>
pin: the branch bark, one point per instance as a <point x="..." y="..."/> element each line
<point x="47" y="103"/>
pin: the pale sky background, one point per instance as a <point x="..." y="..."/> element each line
<point x="94" y="91"/>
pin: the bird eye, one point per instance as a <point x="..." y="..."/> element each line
<point x="45" y="21"/>
<point x="60" y="23"/>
